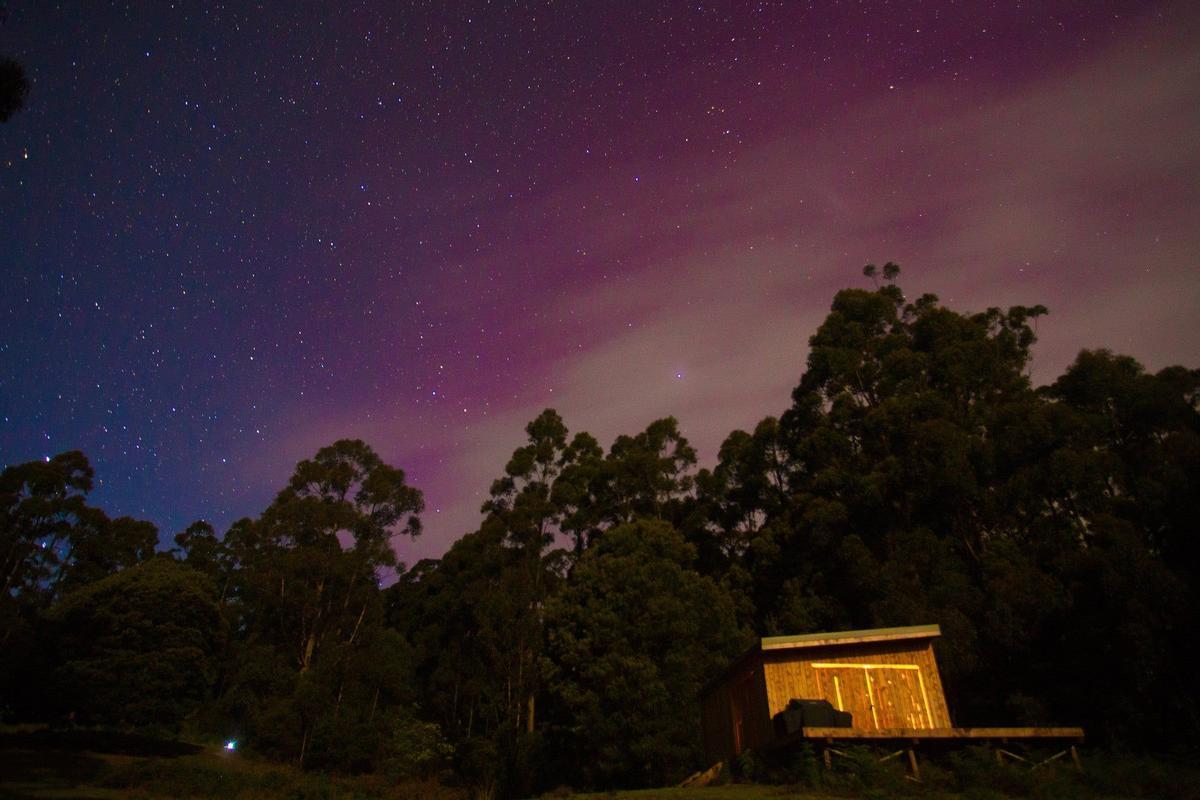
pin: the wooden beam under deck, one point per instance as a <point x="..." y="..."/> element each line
<point x="915" y="734"/>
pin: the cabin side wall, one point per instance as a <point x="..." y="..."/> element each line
<point x="790" y="674"/>
<point x="734" y="715"/>
<point x="937" y="700"/>
<point x="716" y="724"/>
<point x="757" y="729"/>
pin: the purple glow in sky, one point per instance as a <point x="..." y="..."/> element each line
<point x="233" y="236"/>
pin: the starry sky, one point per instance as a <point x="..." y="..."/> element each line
<point x="231" y="233"/>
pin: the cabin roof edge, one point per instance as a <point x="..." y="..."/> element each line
<point x="850" y="637"/>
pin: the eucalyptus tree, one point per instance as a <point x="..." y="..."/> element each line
<point x="476" y="615"/>
<point x="646" y="475"/>
<point x="632" y="638"/>
<point x="305" y="596"/>
<point x="52" y="541"/>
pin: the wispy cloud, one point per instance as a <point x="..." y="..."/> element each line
<point x="1006" y="195"/>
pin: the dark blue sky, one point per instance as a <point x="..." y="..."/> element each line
<point x="230" y="233"/>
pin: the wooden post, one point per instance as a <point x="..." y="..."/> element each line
<point x="1075" y="758"/>
<point x="1010" y="754"/>
<point x="828" y="757"/>
<point x="912" y="762"/>
<point x="1051" y="759"/>
<point x="999" y="756"/>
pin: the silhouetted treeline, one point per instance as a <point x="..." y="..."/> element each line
<point x="917" y="477"/>
<point x="14" y="83"/>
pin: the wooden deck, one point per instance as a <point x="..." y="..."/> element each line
<point x="919" y="734"/>
<point x="904" y="742"/>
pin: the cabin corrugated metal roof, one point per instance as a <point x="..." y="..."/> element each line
<point x="849" y="637"/>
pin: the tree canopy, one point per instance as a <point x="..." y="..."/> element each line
<point x="916" y="476"/>
<point x="632" y="638"/>
<point x="138" y="648"/>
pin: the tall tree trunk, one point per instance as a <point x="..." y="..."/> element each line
<point x="520" y="685"/>
<point x="62" y="568"/>
<point x="304" y="744"/>
<point x="354" y="633"/>
<point x="17" y="561"/>
<point x="310" y="644"/>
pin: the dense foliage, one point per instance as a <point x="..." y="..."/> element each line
<point x="632" y="639"/>
<point x="917" y="477"/>
<point x="138" y="648"/>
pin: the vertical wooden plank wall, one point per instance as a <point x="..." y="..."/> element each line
<point x="937" y="693"/>
<point x="759" y="729"/>
<point x="716" y="722"/>
<point x="740" y="699"/>
<point x="790" y="674"/>
<point x="737" y="713"/>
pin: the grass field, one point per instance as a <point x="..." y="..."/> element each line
<point x="32" y="775"/>
<point x="731" y="792"/>
<point x="44" y="773"/>
<point x="92" y="766"/>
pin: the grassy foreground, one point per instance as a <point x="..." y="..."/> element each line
<point x="739" y="791"/>
<point x="41" y="765"/>
<point x="41" y="775"/>
<point x="962" y="774"/>
<point x="41" y="770"/>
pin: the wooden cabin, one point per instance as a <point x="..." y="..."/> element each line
<point x="886" y="678"/>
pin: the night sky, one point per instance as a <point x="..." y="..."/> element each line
<point x="233" y="233"/>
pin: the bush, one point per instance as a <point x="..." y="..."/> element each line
<point x="806" y="767"/>
<point x="860" y="768"/>
<point x="137" y="647"/>
<point x="414" y="749"/>
<point x="1141" y="776"/>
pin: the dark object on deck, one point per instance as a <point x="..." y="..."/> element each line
<point x="810" y="714"/>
